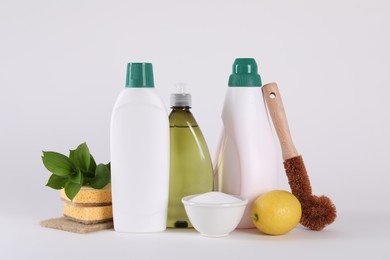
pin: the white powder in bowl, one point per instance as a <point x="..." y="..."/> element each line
<point x="215" y="197"/>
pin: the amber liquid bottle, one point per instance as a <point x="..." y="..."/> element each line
<point x="191" y="170"/>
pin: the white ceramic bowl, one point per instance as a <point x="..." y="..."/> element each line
<point x="214" y="220"/>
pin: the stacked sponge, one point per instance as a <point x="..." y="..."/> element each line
<point x="90" y="206"/>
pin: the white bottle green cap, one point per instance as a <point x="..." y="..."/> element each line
<point x="244" y="73"/>
<point x="139" y="75"/>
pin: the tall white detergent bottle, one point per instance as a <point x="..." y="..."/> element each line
<point x="139" y="154"/>
<point x="246" y="163"/>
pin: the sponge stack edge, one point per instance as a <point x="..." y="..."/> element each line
<point x="88" y="196"/>
<point x="89" y="206"/>
<point x="88" y="215"/>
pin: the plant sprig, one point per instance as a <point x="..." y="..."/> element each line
<point x="79" y="169"/>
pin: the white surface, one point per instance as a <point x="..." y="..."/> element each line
<point x="354" y="236"/>
<point x="63" y="63"/>
<point x="140" y="161"/>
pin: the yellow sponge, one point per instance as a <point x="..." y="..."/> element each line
<point x="88" y="196"/>
<point x="89" y="206"/>
<point x="88" y="215"/>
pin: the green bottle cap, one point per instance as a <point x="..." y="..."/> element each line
<point x="139" y="75"/>
<point x="244" y="73"/>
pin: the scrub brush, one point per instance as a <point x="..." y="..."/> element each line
<point x="317" y="212"/>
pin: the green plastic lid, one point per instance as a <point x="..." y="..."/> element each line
<point x="244" y="73"/>
<point x="139" y="75"/>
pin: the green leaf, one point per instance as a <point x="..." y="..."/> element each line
<point x="92" y="167"/>
<point x="87" y="181"/>
<point x="58" y="163"/>
<point x="56" y="182"/>
<point x="71" y="155"/>
<point x="71" y="189"/>
<point x="102" y="177"/>
<point x="81" y="157"/>
<point x="77" y="178"/>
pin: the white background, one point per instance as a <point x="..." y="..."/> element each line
<point x="62" y="66"/>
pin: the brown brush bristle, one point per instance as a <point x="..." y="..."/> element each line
<point x="297" y="177"/>
<point x="317" y="212"/>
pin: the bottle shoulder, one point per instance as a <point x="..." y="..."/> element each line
<point x="139" y="97"/>
<point x="182" y="117"/>
<point x="244" y="104"/>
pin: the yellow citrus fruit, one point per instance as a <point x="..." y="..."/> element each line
<point x="276" y="212"/>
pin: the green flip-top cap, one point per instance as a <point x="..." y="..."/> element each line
<point x="139" y="75"/>
<point x="244" y="73"/>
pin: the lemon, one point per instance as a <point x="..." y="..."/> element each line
<point x="276" y="212"/>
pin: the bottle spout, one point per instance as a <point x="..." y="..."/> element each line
<point x="181" y="98"/>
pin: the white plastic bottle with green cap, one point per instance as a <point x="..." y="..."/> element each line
<point x="139" y="154"/>
<point x="246" y="162"/>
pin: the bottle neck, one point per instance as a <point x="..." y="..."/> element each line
<point x="181" y="108"/>
<point x="181" y="117"/>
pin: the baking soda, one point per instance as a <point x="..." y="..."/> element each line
<point x="215" y="198"/>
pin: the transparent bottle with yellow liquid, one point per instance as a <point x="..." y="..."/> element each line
<point x="191" y="169"/>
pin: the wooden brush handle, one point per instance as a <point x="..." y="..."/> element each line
<point x="276" y="109"/>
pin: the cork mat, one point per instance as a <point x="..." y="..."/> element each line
<point x="66" y="224"/>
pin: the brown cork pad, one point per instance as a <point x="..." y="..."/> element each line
<point x="66" y="224"/>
